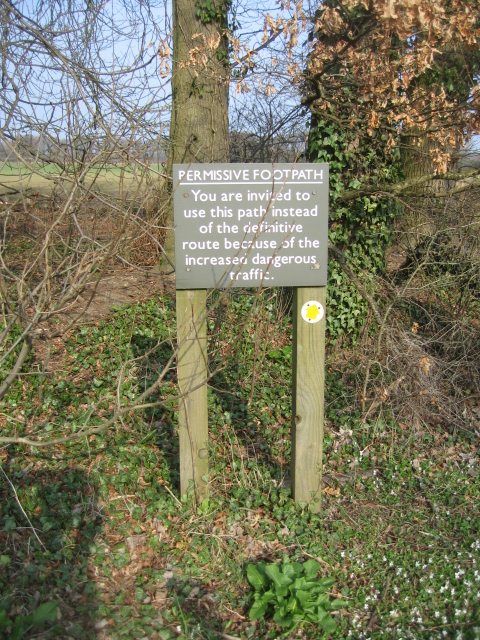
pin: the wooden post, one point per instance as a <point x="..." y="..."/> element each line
<point x="192" y="381"/>
<point x="308" y="395"/>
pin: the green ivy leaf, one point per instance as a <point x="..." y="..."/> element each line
<point x="256" y="577"/>
<point x="283" y="621"/>
<point x="326" y="582"/>
<point x="311" y="568"/>
<point x="281" y="592"/>
<point x="322" y="599"/>
<point x="292" y="569"/>
<point x="268" y="597"/>
<point x="4" y="561"/>
<point x="338" y="604"/>
<point x="280" y="579"/>
<point x="328" y="624"/>
<point x="16" y="632"/>
<point x="4" y="621"/>
<point x="46" y="612"/>
<point x="303" y="597"/>
<point x="258" y="610"/>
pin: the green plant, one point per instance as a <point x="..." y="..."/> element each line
<point x="213" y="11"/>
<point x="46" y="612"/>
<point x="293" y="594"/>
<point x="281" y="354"/>
<point x="411" y="579"/>
<point x="361" y="227"/>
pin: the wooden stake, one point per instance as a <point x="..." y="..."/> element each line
<point x="192" y="381"/>
<point x="308" y="396"/>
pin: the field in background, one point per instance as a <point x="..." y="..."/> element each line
<point x="15" y="177"/>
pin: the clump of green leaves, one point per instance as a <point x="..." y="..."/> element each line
<point x="213" y="11"/>
<point x="46" y="612"/>
<point x="360" y="227"/>
<point x="292" y="594"/>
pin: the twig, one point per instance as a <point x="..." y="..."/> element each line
<point x="22" y="510"/>
<point x="173" y="495"/>
<point x="234" y="613"/>
<point x="382" y="597"/>
<point x="317" y="558"/>
<point x="389" y="389"/>
<point x="26" y="348"/>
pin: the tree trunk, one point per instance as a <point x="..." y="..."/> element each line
<point x="200" y="78"/>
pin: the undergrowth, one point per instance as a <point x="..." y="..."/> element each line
<point x="98" y="529"/>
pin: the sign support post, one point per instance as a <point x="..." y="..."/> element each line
<point x="308" y="393"/>
<point x="192" y="383"/>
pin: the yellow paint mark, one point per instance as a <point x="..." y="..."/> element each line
<point x="312" y="312"/>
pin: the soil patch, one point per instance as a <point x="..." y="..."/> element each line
<point x="121" y="286"/>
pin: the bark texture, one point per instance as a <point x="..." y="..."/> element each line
<point x="199" y="120"/>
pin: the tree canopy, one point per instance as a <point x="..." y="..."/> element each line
<point x="398" y="71"/>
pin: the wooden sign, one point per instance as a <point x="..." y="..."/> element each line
<point x="252" y="225"/>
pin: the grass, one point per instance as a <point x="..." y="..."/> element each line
<point x="107" y="179"/>
<point x="124" y="557"/>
